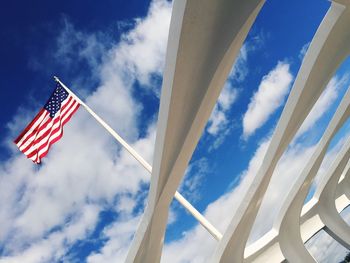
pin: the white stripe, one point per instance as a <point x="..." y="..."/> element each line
<point x="38" y="121"/>
<point x="51" y="137"/>
<point x="33" y="158"/>
<point x="35" y="136"/>
<point x="38" y="156"/>
<point x="32" y="137"/>
<point x="52" y="127"/>
<point x="61" y="129"/>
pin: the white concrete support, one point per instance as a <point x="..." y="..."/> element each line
<point x="328" y="49"/>
<point x="204" y="40"/>
<point x="267" y="248"/>
<point x="287" y="223"/>
<point x="336" y="227"/>
<point x="345" y="187"/>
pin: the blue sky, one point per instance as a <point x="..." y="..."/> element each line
<point x="84" y="202"/>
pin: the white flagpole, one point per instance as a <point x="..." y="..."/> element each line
<point x="193" y="211"/>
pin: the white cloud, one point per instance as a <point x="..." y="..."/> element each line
<point x="119" y="237"/>
<point x="46" y="209"/>
<point x="326" y="100"/>
<point x="218" y="119"/>
<point x="197" y="245"/>
<point x="303" y="50"/>
<point x="193" y="179"/>
<point x="268" y="98"/>
<point x="51" y="248"/>
<point x="72" y="43"/>
<point x="240" y="68"/>
<point x="219" y="125"/>
<point x="142" y="49"/>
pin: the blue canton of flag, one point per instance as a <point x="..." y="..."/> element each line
<point x="54" y="103"/>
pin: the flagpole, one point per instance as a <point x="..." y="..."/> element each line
<point x="193" y="211"/>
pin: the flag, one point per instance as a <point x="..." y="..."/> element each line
<point x="47" y="126"/>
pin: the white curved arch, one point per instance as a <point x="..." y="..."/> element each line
<point x="328" y="49"/>
<point x="287" y="223"/>
<point x="267" y="248"/>
<point x="345" y="187"/>
<point x="325" y="194"/>
<point x="205" y="38"/>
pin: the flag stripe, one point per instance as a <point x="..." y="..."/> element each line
<point x="44" y="129"/>
<point x="45" y="142"/>
<point x="50" y="131"/>
<point x="30" y="140"/>
<point x="57" y="129"/>
<point x="32" y="126"/>
<point x="43" y="152"/>
<point x="34" y="131"/>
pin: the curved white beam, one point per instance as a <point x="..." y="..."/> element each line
<point x="325" y="194"/>
<point x="267" y="248"/>
<point x="287" y="223"/>
<point x="327" y="50"/>
<point x="204" y="40"/>
<point x="345" y="187"/>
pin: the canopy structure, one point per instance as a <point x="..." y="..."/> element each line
<point x="204" y="40"/>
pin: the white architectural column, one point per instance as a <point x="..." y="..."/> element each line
<point x="328" y="49"/>
<point x="287" y="223"/>
<point x="205" y="38"/>
<point x="325" y="194"/>
<point x="345" y="187"/>
<point x="267" y="248"/>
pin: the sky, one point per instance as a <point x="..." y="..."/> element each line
<point x="83" y="203"/>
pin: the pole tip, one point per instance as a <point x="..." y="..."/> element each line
<point x="55" y="78"/>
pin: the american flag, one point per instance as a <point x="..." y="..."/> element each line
<point x="47" y="126"/>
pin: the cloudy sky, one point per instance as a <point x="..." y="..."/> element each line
<point x="83" y="203"/>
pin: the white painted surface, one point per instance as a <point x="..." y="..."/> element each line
<point x="205" y="37"/>
<point x="204" y="41"/>
<point x="327" y="50"/>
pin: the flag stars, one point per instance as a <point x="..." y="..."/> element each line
<point x="54" y="103"/>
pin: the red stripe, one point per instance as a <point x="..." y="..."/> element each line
<point x="35" y="131"/>
<point x="70" y="116"/>
<point x="53" y="121"/>
<point x="62" y="109"/>
<point x="48" y="148"/>
<point x="44" y="135"/>
<point x="59" y="128"/>
<point x="49" y="133"/>
<point x="26" y="129"/>
<point x="42" y="155"/>
<point x="43" y="126"/>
